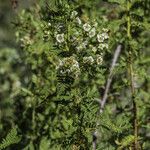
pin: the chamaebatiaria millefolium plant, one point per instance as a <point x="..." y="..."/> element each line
<point x="65" y="52"/>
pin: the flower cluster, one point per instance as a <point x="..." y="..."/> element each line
<point x="102" y="37"/>
<point x="85" y="42"/>
<point x="26" y="40"/>
<point x="69" y="66"/>
<point x="89" y="60"/>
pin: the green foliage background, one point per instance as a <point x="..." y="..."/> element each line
<point x="55" y="110"/>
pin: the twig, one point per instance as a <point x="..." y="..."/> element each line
<point x="135" y="117"/>
<point x="108" y="83"/>
<point x="94" y="140"/>
<point x="109" y="80"/>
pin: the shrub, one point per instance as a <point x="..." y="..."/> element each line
<point x="65" y="50"/>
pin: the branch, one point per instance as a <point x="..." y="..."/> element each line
<point x="108" y="83"/>
<point x="110" y="76"/>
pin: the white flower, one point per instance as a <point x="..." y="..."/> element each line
<point x="105" y="35"/>
<point x="69" y="66"/>
<point x="60" y="62"/>
<point x="75" y="66"/>
<point x="99" y="59"/>
<point x="73" y="14"/>
<point x="60" y="27"/>
<point x="102" y="46"/>
<point x="100" y="38"/>
<point x="68" y="70"/>
<point x="75" y="69"/>
<point x="105" y="30"/>
<point x="49" y="24"/>
<point x="84" y="44"/>
<point x="62" y="71"/>
<point x="94" y="49"/>
<point x="79" y="48"/>
<point x="92" y="33"/>
<point x="88" y="60"/>
<point x="86" y="27"/>
<point x="78" y="20"/>
<point x="60" y="38"/>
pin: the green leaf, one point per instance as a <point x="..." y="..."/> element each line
<point x="11" y="138"/>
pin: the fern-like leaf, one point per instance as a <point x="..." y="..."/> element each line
<point x="105" y="122"/>
<point x="10" y="139"/>
<point x="126" y="141"/>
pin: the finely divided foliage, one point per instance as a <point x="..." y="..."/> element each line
<point x="66" y="56"/>
<point x="10" y="139"/>
<point x="81" y="94"/>
<point x="66" y="50"/>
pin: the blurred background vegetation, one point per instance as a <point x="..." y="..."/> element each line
<point x="11" y="67"/>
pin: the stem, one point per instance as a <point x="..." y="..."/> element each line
<point x="110" y="76"/>
<point x="131" y="73"/>
<point x="135" y="124"/>
<point x="108" y="84"/>
<point x="128" y="20"/>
